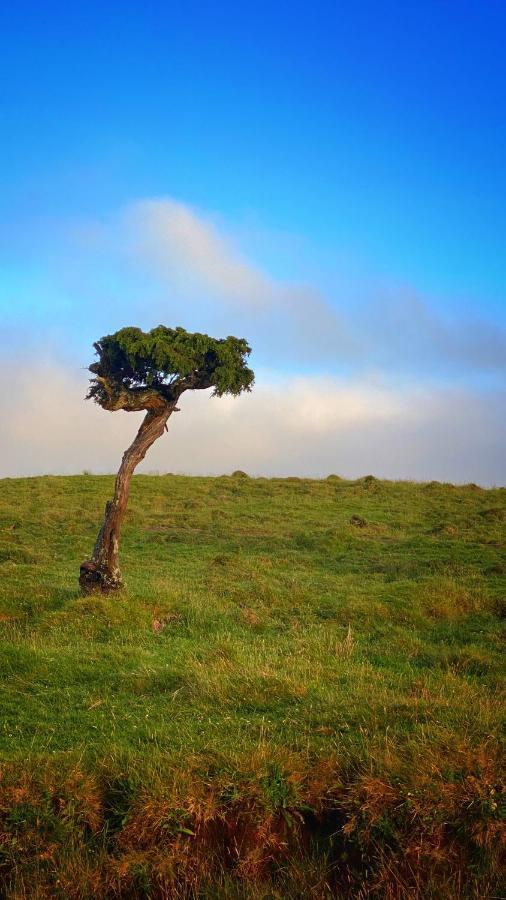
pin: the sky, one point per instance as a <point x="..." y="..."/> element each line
<point x="325" y="179"/>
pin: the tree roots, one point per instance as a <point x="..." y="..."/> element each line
<point x="93" y="578"/>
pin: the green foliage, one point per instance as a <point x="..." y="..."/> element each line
<point x="169" y="361"/>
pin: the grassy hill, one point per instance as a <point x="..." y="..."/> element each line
<point x="299" y="696"/>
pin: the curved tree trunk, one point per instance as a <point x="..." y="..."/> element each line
<point x="101" y="572"/>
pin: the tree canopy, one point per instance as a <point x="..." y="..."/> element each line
<point x="147" y="370"/>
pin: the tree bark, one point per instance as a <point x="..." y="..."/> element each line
<point x="102" y="572"/>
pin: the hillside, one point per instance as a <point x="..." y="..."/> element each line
<point x="299" y="696"/>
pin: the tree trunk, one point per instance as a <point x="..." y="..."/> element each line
<point x="101" y="572"/>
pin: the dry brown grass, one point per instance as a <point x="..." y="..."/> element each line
<point x="398" y="828"/>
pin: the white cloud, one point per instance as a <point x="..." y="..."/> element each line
<point x="187" y="248"/>
<point x="293" y="426"/>
<point x="196" y="259"/>
<point x="186" y="269"/>
<point x="159" y="260"/>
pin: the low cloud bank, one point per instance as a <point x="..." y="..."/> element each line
<point x="434" y="412"/>
<point x="287" y="426"/>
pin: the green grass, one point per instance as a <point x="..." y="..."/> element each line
<point x="272" y="666"/>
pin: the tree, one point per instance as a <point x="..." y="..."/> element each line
<point x="149" y="371"/>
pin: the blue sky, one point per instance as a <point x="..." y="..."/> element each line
<point x="352" y="151"/>
<point x="375" y="127"/>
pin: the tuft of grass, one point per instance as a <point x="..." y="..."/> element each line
<point x="299" y="695"/>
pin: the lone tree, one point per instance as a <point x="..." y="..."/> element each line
<point x="137" y="371"/>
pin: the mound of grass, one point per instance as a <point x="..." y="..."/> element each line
<point x="283" y="704"/>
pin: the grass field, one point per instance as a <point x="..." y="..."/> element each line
<point x="299" y="696"/>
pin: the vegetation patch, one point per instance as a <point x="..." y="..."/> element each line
<point x="282" y="705"/>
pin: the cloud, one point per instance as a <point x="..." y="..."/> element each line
<point x="391" y="328"/>
<point x="409" y="405"/>
<point x="400" y="328"/>
<point x="160" y="260"/>
<point x="194" y="258"/>
<point x="187" y="249"/>
<point x="310" y="426"/>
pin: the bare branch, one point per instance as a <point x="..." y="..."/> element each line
<point x="132" y="399"/>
